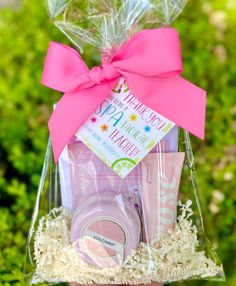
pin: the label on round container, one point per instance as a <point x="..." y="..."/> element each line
<point x="104" y="239"/>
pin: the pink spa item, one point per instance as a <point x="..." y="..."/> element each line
<point x="89" y="175"/>
<point x="161" y="174"/>
<point x="105" y="230"/>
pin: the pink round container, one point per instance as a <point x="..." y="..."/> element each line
<point x="105" y="229"/>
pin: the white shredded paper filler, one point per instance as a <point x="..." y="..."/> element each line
<point x="172" y="258"/>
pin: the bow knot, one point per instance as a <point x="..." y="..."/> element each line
<point x="101" y="74"/>
<point x="150" y="62"/>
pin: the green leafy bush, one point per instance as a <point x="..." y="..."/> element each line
<point x="208" y="46"/>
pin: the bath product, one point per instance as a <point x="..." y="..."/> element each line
<point x="89" y="175"/>
<point x="105" y="229"/>
<point x="161" y="174"/>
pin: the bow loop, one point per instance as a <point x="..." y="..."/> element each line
<point x="151" y="53"/>
<point x="63" y="66"/>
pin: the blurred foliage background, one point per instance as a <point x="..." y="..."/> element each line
<point x="207" y="31"/>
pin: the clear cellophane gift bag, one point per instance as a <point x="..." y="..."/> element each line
<point x="92" y="224"/>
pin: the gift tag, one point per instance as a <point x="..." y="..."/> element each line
<point x="122" y="131"/>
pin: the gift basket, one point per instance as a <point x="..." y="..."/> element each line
<point x="118" y="201"/>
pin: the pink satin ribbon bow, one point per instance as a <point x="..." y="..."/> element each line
<point x="151" y="64"/>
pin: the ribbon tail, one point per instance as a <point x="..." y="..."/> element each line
<point x="71" y="112"/>
<point x="174" y="98"/>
